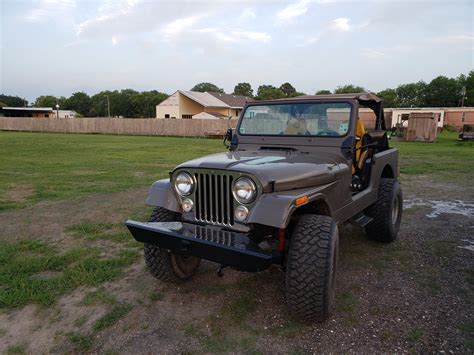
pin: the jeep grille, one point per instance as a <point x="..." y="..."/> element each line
<point x="214" y="202"/>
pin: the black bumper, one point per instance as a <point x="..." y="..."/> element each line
<point x="228" y="248"/>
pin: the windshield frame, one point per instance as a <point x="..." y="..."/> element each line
<point x="351" y="104"/>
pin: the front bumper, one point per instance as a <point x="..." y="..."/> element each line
<point x="228" y="248"/>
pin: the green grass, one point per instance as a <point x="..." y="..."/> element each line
<point x="81" y="342"/>
<point x="62" y="166"/>
<point x="52" y="166"/>
<point x="156" y="296"/>
<point x="99" y="296"/>
<point x="16" y="349"/>
<point x="413" y="335"/>
<point x="90" y="231"/>
<point x="113" y="316"/>
<point x="447" y="158"/>
<point x="34" y="272"/>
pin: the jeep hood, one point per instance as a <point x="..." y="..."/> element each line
<point x="285" y="170"/>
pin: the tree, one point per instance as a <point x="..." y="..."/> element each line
<point x="269" y="92"/>
<point x="209" y="87"/>
<point x="243" y="89"/>
<point x="79" y="102"/>
<point x="12" y="101"/>
<point x="468" y="82"/>
<point x="323" y="92"/>
<point x="389" y="97"/>
<point x="349" y="89"/>
<point x="46" y="101"/>
<point x="288" y="89"/>
<point x="411" y="95"/>
<point x="442" y="92"/>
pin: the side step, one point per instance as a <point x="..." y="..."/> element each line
<point x="361" y="220"/>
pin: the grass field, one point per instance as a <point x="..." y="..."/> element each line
<point x="40" y="167"/>
<point x="66" y="267"/>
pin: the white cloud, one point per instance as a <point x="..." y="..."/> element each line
<point x="381" y="53"/>
<point x="453" y="39"/>
<point x="372" y="53"/>
<point x="48" y="9"/>
<point x="179" y="26"/>
<point x="290" y="12"/>
<point x="114" y="40"/>
<point x="247" y="14"/>
<point x="341" y="24"/>
<point x="234" y="36"/>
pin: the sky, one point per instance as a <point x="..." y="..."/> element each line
<point x="59" y="47"/>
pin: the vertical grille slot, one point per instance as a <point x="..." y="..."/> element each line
<point x="214" y="202"/>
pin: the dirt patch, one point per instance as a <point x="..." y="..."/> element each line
<point x="19" y="193"/>
<point x="48" y="221"/>
<point x="414" y="295"/>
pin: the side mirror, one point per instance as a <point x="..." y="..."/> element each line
<point x="228" y="138"/>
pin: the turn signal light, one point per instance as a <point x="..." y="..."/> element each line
<point x="301" y="200"/>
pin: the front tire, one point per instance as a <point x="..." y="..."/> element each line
<point x="386" y="212"/>
<point x="311" y="268"/>
<point x="163" y="264"/>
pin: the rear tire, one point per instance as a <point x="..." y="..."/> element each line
<point x="163" y="264"/>
<point x="311" y="268"/>
<point x="386" y="212"/>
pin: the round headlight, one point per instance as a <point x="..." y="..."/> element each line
<point x="244" y="190"/>
<point x="184" y="184"/>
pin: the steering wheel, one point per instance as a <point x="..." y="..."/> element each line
<point x="327" y="132"/>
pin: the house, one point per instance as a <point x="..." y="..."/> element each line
<point x="203" y="105"/>
<point x="35" y="112"/>
<point x="27" y="112"/>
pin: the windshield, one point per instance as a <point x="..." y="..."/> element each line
<point x="294" y="119"/>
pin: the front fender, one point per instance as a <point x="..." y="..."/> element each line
<point x="275" y="209"/>
<point x="161" y="194"/>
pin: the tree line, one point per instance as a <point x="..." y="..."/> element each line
<point x="439" y="92"/>
<point x="125" y="103"/>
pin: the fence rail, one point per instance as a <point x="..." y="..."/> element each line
<point x="133" y="126"/>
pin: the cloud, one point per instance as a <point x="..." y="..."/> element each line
<point x="381" y="53"/>
<point x="234" y="36"/>
<point x="290" y="12"/>
<point x="180" y="25"/>
<point x="246" y="15"/>
<point x="455" y="38"/>
<point x="372" y="53"/>
<point x="48" y="9"/>
<point x="341" y="24"/>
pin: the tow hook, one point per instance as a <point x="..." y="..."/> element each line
<point x="220" y="272"/>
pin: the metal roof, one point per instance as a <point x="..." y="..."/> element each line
<point x="28" y="108"/>
<point x="204" y="98"/>
<point x="234" y="101"/>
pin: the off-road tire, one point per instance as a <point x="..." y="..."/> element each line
<point x="311" y="268"/>
<point x="386" y="212"/>
<point x="163" y="264"/>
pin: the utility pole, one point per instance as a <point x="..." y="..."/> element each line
<point x="463" y="93"/>
<point x="57" y="110"/>
<point x="108" y="106"/>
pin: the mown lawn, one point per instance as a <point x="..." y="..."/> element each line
<point x="447" y="159"/>
<point x="46" y="166"/>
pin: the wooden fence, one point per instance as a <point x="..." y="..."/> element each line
<point x="132" y="126"/>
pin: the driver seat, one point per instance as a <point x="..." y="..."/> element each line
<point x="360" y="154"/>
